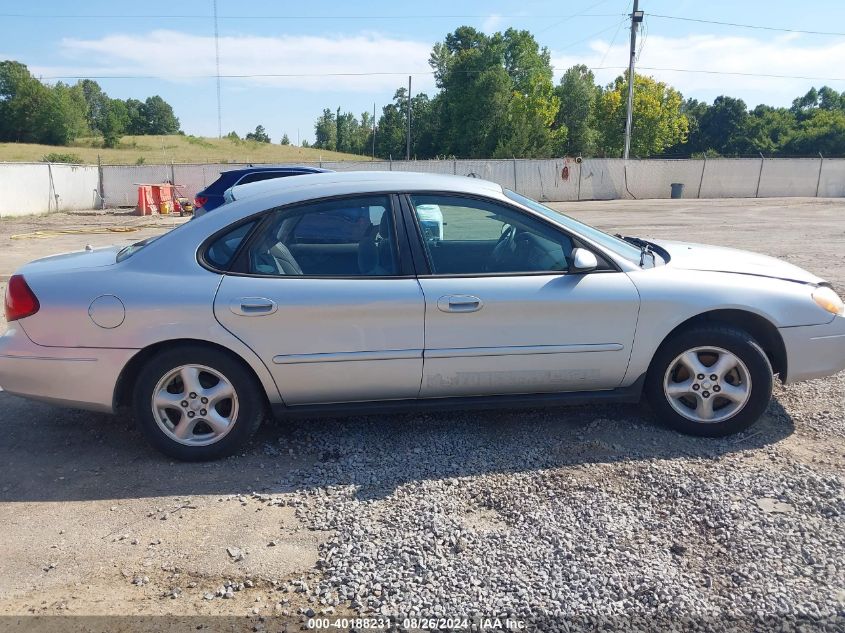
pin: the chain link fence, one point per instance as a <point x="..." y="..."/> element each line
<point x="553" y="180"/>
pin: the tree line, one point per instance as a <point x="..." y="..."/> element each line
<point x="35" y="112"/>
<point x="497" y="99"/>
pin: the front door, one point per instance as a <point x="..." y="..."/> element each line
<point x="504" y="315"/>
<point x="321" y="299"/>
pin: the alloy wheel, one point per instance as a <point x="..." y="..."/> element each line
<point x="707" y="384"/>
<point x="195" y="405"/>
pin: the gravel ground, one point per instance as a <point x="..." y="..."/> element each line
<point x="583" y="518"/>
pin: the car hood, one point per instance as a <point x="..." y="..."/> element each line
<point x="690" y="256"/>
<point x="94" y="258"/>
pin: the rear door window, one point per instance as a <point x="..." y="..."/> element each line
<point x="347" y="237"/>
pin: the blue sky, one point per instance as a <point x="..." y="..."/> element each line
<point x="176" y="49"/>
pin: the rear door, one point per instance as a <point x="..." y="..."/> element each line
<point x="503" y="313"/>
<point x="326" y="298"/>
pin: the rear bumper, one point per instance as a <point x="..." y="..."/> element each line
<point x="82" y="378"/>
<point x="814" y="351"/>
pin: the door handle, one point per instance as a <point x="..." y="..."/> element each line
<point x="459" y="303"/>
<point x="253" y="306"/>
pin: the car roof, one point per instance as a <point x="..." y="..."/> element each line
<point x="258" y="168"/>
<point x="364" y="182"/>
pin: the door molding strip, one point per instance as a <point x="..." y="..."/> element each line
<point x="345" y="357"/>
<point x="521" y="350"/>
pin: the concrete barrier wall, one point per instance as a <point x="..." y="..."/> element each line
<point x="832" y="179"/>
<point x="38" y="187"/>
<point x="31" y="188"/>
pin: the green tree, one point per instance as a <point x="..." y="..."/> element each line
<point x="392" y="126"/>
<point x="96" y="101"/>
<point x="285" y="140"/>
<point x="62" y="119"/>
<point x="821" y="131"/>
<point x="658" y="121"/>
<point x="347" y="133"/>
<point x="113" y="119"/>
<point x="724" y="127"/>
<point x="527" y="128"/>
<point x="260" y="135"/>
<point x="158" y="117"/>
<point x="577" y="92"/>
<point x="768" y="129"/>
<point x="325" y="131"/>
<point x="22" y="101"/>
<point x="137" y="125"/>
<point x="475" y="91"/>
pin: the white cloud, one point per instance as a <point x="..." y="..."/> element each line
<point x="491" y="23"/>
<point x="176" y="56"/>
<point x="784" y="55"/>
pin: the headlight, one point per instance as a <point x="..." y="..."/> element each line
<point x="829" y="300"/>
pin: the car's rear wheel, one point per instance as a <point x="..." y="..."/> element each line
<point x="195" y="403"/>
<point x="710" y="380"/>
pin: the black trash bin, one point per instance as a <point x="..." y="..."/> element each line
<point x="677" y="189"/>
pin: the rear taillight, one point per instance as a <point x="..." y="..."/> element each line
<point x="20" y="300"/>
<point x="200" y="201"/>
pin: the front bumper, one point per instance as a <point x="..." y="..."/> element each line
<point x="82" y="378"/>
<point x="814" y="351"/>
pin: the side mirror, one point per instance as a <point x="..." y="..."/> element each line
<point x="583" y="261"/>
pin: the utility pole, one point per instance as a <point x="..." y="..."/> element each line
<point x="374" y="130"/>
<point x="408" y="139"/>
<point x="217" y="62"/>
<point x="636" y="18"/>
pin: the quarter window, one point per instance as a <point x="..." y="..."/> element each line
<point x="349" y="237"/>
<point x="222" y="250"/>
<point x="469" y="236"/>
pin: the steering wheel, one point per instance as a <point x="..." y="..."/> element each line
<point x="503" y="246"/>
<point x="506" y="238"/>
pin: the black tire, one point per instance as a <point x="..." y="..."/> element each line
<point x="251" y="401"/>
<point x="737" y="342"/>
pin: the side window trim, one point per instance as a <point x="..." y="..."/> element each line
<point x="413" y="232"/>
<point x="240" y="263"/>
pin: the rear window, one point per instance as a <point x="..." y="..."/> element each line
<point x="262" y="175"/>
<point x="129" y="251"/>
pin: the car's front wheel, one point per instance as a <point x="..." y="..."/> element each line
<point x="710" y="380"/>
<point x="195" y="403"/>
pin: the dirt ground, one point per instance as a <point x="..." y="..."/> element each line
<point x="95" y="522"/>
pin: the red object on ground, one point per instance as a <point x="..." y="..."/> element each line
<point x="20" y="300"/>
<point x="156" y="198"/>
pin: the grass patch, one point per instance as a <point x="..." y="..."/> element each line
<point x="177" y="148"/>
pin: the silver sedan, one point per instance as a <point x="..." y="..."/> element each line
<point x="381" y="291"/>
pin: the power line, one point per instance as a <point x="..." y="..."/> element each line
<point x="300" y="17"/>
<point x="569" y="17"/>
<point x="745" y="26"/>
<point x="741" y="74"/>
<point x="612" y="42"/>
<point x="426" y="72"/>
<point x="615" y="25"/>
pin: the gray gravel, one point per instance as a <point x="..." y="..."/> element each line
<point x="570" y="517"/>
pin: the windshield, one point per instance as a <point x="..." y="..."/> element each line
<point x="620" y="247"/>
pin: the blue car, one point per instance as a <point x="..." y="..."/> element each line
<point x="212" y="196"/>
